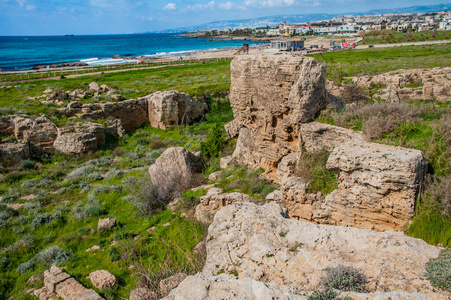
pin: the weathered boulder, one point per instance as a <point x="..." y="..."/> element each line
<point x="87" y="137"/>
<point x="317" y="136"/>
<point x="132" y="113"/>
<point x="103" y="279"/>
<point x="260" y="243"/>
<point x="171" y="108"/>
<point x="176" y="162"/>
<point x="107" y="223"/>
<point x="60" y="283"/>
<point x="214" y="200"/>
<point x="269" y="114"/>
<point x="378" y="185"/>
<point x="170" y="283"/>
<point x="224" y="162"/>
<point x="39" y="134"/>
<point x="93" y="86"/>
<point x="6" y="125"/>
<point x="142" y="294"/>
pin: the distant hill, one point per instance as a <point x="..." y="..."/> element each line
<point x="275" y="20"/>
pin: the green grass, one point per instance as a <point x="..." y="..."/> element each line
<point x="364" y="62"/>
<point x="431" y="227"/>
<point x="392" y="37"/>
<point x="197" y="80"/>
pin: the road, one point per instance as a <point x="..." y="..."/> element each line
<point x="405" y="44"/>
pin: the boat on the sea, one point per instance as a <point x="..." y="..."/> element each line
<point x="68" y="35"/>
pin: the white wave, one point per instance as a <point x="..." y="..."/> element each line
<point x="89" y="59"/>
<point x="111" y="61"/>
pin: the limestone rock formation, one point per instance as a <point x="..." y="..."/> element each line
<point x="378" y="185"/>
<point x="428" y="84"/>
<point x="106" y="223"/>
<point x="103" y="279"/>
<point x="39" y="133"/>
<point x="59" y="283"/>
<point x="170" y="283"/>
<point x="268" y="115"/>
<point x="142" y="294"/>
<point x="132" y="113"/>
<point x="226" y="287"/>
<point x="173" y="108"/>
<point x="176" y="161"/>
<point x="86" y="137"/>
<point x="260" y="243"/>
<point x="200" y="287"/>
<point x="214" y="200"/>
<point x="318" y="136"/>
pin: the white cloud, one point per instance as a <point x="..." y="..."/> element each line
<point x="170" y="6"/>
<point x="30" y="7"/>
<point x="268" y="3"/>
<point x="21" y="2"/>
<point x="209" y="5"/>
<point x="226" y="6"/>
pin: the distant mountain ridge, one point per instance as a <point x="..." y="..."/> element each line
<point x="302" y="18"/>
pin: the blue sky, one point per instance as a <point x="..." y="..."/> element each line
<point x="56" y="17"/>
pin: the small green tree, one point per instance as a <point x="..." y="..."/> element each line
<point x="215" y="143"/>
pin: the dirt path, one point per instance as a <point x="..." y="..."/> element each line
<point x="405" y="44"/>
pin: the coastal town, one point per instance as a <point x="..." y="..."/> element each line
<point x="345" y="25"/>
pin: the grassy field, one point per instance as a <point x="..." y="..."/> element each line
<point x="197" y="80"/>
<point x="366" y="62"/>
<point x="393" y="37"/>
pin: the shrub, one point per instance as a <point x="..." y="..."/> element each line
<point x="327" y="294"/>
<point x="114" y="254"/>
<point x="312" y="168"/>
<point x="156" y="144"/>
<point x="95" y="211"/>
<point x="53" y="255"/>
<point x="353" y="93"/>
<point x="375" y="127"/>
<point x="438" y="270"/>
<point x="345" y="279"/>
<point x="28" y="164"/>
<point x="215" y="143"/>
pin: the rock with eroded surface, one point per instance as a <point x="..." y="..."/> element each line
<point x="172" y="108"/>
<point x="103" y="279"/>
<point x="260" y="243"/>
<point x="267" y="116"/>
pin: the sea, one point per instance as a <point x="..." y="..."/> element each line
<point x="24" y="52"/>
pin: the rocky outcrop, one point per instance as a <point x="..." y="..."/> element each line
<point x="142" y="294"/>
<point x="85" y="138"/>
<point x="176" y="161"/>
<point x="378" y="185"/>
<point x="214" y="200"/>
<point x="318" y="136"/>
<point x="268" y="115"/>
<point x="170" y="283"/>
<point x="61" y="284"/>
<point x="259" y="242"/>
<point x="132" y="113"/>
<point x="201" y="287"/>
<point x="414" y="84"/>
<point x="171" y="108"/>
<point x="103" y="279"/>
<point x="39" y="133"/>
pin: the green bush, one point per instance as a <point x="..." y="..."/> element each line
<point x="344" y="278"/>
<point x="312" y="169"/>
<point x="327" y="294"/>
<point x="215" y="143"/>
<point x="438" y="270"/>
